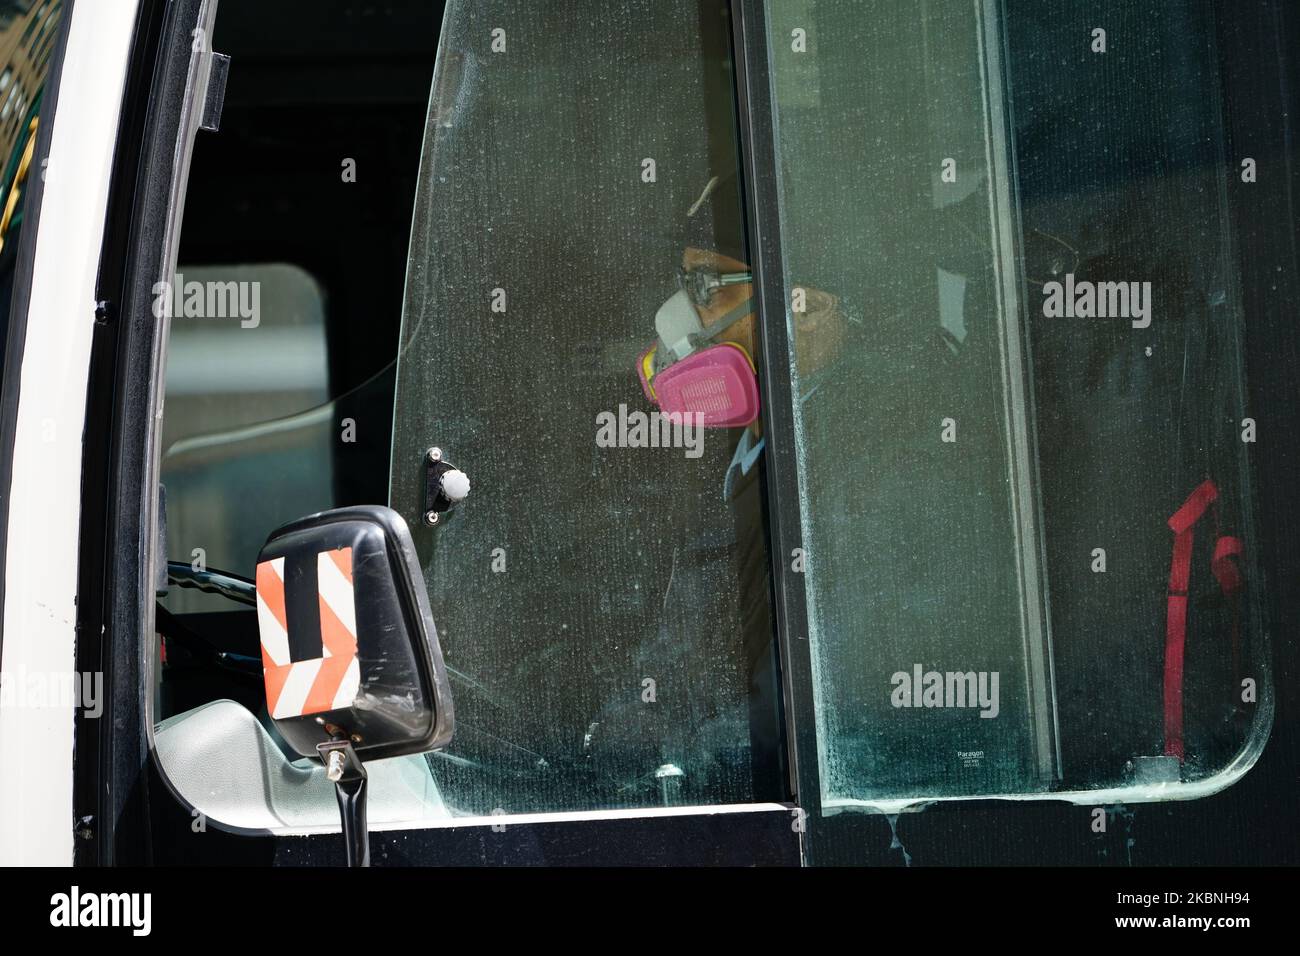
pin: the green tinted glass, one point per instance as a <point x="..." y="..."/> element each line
<point x="1025" y="498"/>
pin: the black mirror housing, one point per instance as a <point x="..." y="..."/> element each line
<point x="349" y="647"/>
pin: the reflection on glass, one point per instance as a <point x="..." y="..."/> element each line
<point x="29" y="30"/>
<point x="990" y="489"/>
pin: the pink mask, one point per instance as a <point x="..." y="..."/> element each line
<point x="717" y="383"/>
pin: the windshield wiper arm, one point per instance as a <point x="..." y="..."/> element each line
<point x="212" y="581"/>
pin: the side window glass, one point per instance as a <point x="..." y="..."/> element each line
<point x="1026" y="495"/>
<point x="579" y="338"/>
<point x="246" y="438"/>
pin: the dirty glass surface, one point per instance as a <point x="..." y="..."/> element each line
<point x="602" y="605"/>
<point x="1025" y="502"/>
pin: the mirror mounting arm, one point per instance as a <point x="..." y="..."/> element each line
<point x="344" y="768"/>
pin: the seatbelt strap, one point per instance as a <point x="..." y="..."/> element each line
<point x="1228" y="576"/>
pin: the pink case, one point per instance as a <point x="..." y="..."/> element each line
<point x="717" y="382"/>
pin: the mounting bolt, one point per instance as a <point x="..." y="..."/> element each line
<point x="454" y="485"/>
<point x="431" y="518"/>
<point x="334" y="768"/>
<point x="434" y="454"/>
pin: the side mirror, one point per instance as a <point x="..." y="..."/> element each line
<point x="350" y="654"/>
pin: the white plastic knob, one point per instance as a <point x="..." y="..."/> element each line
<point x="455" y="485"/>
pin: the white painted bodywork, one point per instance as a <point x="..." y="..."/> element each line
<point x="36" y="742"/>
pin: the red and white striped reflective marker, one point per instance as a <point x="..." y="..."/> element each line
<point x="330" y="681"/>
